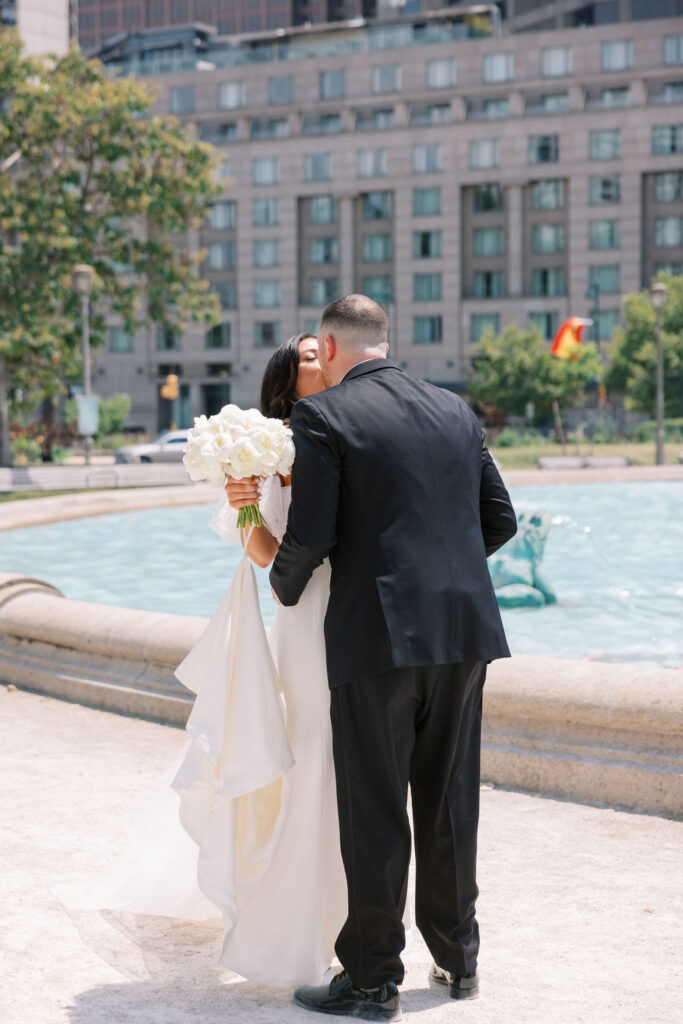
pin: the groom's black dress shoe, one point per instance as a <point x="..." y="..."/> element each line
<point x="343" y="999"/>
<point x="461" y="986"/>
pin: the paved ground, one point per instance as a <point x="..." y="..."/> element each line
<point x="580" y="906"/>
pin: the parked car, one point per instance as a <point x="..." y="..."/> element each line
<point x="167" y="447"/>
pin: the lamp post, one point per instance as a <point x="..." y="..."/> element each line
<point x="658" y="297"/>
<point x="82" y="281"/>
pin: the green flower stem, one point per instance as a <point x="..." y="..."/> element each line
<point x="250" y="515"/>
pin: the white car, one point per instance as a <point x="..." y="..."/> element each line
<point x="167" y="447"/>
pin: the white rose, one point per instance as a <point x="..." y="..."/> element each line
<point x="243" y="459"/>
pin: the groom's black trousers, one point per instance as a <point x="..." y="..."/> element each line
<point x="417" y="726"/>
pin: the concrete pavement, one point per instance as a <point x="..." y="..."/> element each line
<point x="580" y="906"/>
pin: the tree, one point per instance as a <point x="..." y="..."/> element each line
<point x="89" y="175"/>
<point x="516" y="367"/>
<point x="633" y="352"/>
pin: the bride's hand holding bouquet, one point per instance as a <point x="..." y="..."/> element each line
<point x="239" y="445"/>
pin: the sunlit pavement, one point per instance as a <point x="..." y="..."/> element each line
<point x="580" y="906"/>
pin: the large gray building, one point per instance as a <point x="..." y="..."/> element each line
<point x="465" y="181"/>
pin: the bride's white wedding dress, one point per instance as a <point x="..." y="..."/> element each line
<point x="254" y="788"/>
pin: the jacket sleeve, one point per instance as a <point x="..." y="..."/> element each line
<point x="312" y="523"/>
<point x="498" y="520"/>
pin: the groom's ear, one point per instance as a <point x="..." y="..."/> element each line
<point x="330" y="348"/>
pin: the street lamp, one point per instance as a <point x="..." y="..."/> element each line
<point x="658" y="296"/>
<point x="82" y="281"/>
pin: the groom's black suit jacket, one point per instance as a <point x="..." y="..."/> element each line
<point x="393" y="481"/>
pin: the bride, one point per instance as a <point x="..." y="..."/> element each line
<point x="267" y="861"/>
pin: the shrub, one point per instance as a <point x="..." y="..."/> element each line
<point x="518" y="438"/>
<point x="26" y="451"/>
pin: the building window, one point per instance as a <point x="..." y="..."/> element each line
<point x="267" y="333"/>
<point x="371" y="162"/>
<point x="218" y="336"/>
<point x="557" y="61"/>
<point x="669" y="268"/>
<point x="322" y="210"/>
<point x="605" y="278"/>
<point x="323" y="250"/>
<point x="547" y="238"/>
<point x="547" y="195"/>
<point x="227" y="293"/>
<point x="265" y="170"/>
<point x="426" y="202"/>
<point x="267" y="252"/>
<point x="672" y="92"/>
<point x="605" y="321"/>
<point x="222" y="216"/>
<point x="377" y="205"/>
<point x="379" y="288"/>
<point x="426" y="244"/>
<point x="332" y="85"/>
<point x="604" y="145"/>
<point x="493" y="109"/>
<point x="619" y="96"/>
<point x="321" y="124"/>
<point x="441" y="74"/>
<point x="489" y="241"/>
<point x="483" y="154"/>
<point x="604" y="189"/>
<point x="267" y="293"/>
<point x="498" y="67"/>
<point x="312" y="324"/>
<point x="489" y="284"/>
<point x="427" y="158"/>
<point x="182" y="99"/>
<point x="669" y="186"/>
<point x="374" y="120"/>
<point x="667" y="138"/>
<point x="318" y="166"/>
<point x="544" y="149"/>
<point x="218" y="132"/>
<point x="617" y="55"/>
<point x="269" y="128"/>
<point x="480" y="323"/>
<point x="545" y="323"/>
<point x="281" y="89"/>
<point x="673" y="49"/>
<point x="322" y="290"/>
<point x="488" y="197"/>
<point x="120" y="340"/>
<point x="386" y="78"/>
<point x="231" y="95"/>
<point x="669" y="232"/>
<point x="167" y="340"/>
<point x="430" y="113"/>
<point x="222" y="170"/>
<point x="377" y="248"/>
<point x="547" y="103"/>
<point x="604" y="234"/>
<point x="427" y="330"/>
<point x="549" y="281"/>
<point x="222" y="255"/>
<point x="427" y="287"/>
<point x="266" y="212"/>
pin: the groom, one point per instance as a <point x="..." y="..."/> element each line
<point x="393" y="482"/>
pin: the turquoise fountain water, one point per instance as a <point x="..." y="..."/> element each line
<point x="614" y="558"/>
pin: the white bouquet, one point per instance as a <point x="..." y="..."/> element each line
<point x="238" y="443"/>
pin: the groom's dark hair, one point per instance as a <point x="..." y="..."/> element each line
<point x="357" y="315"/>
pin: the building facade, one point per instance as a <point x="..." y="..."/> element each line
<point x="100" y="19"/>
<point x="464" y="182"/>
<point x="44" y="25"/>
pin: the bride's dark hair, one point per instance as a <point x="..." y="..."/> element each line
<point x="278" y="387"/>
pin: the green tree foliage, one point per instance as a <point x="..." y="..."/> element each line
<point x="516" y="367"/>
<point x="634" y="351"/>
<point x="89" y="175"/>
